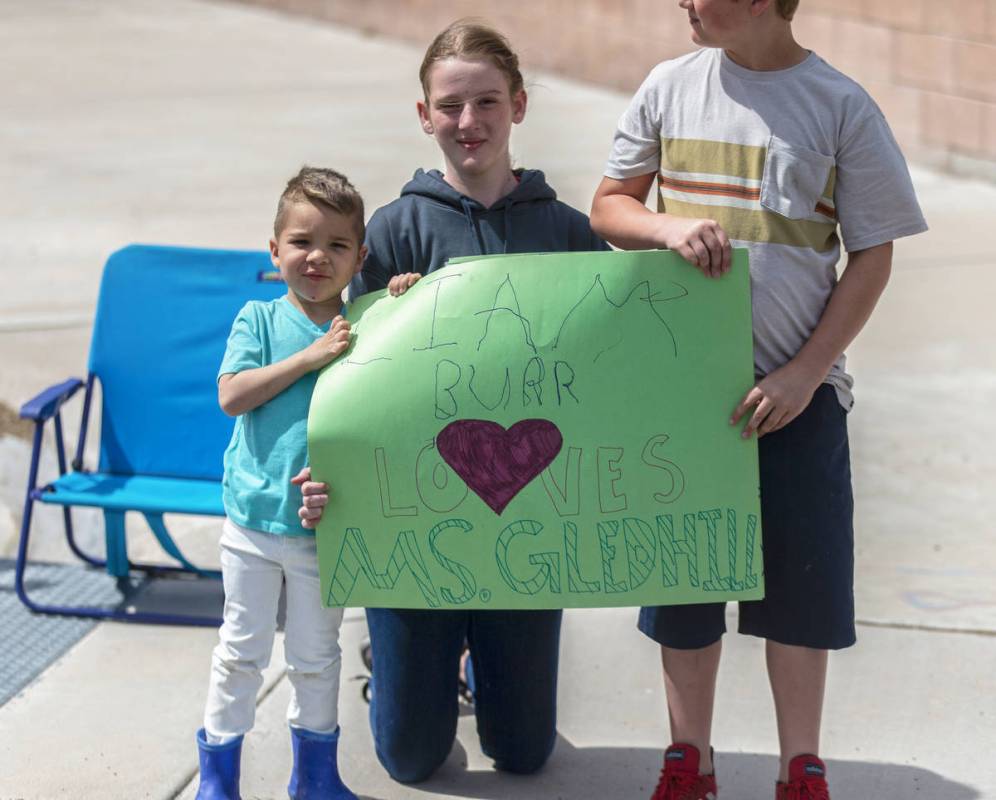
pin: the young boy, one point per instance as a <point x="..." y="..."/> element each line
<point x="266" y="380"/>
<point x="758" y="142"/>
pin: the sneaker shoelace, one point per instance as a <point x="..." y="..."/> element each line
<point x="679" y="786"/>
<point x="808" y="789"/>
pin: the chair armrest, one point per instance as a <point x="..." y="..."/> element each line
<point x="46" y="404"/>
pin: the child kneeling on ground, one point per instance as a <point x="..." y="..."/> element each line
<point x="266" y="380"/>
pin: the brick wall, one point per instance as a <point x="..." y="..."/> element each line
<point x="930" y="65"/>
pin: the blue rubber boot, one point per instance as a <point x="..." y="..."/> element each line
<point x="316" y="767"/>
<point x="220" y="765"/>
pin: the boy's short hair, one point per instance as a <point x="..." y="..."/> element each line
<point x="325" y="186"/>
<point x="786" y="8"/>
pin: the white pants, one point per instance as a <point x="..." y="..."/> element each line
<point x="253" y="566"/>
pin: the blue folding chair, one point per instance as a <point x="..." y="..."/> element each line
<point x="163" y="317"/>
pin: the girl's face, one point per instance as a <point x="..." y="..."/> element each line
<point x="470" y="111"/>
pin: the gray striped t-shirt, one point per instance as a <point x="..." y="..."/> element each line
<point x="782" y="160"/>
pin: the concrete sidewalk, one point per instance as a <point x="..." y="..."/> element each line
<point x="133" y="120"/>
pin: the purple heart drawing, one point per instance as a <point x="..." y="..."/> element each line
<point x="497" y="463"/>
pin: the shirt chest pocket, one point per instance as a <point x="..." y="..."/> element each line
<point x="794" y="179"/>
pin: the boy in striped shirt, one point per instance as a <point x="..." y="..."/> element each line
<point x="757" y="142"/>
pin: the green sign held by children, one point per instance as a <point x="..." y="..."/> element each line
<point x="541" y="431"/>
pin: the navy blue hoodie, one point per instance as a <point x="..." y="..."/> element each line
<point x="432" y="222"/>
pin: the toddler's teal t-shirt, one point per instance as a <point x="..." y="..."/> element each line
<point x="270" y="443"/>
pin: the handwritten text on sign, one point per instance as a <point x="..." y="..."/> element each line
<point x="541" y="431"/>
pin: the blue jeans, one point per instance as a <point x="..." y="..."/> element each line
<point x="416" y="659"/>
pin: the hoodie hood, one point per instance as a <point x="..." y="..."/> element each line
<point x="532" y="187"/>
<point x="432" y="222"/>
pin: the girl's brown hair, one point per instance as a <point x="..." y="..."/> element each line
<point x="471" y="38"/>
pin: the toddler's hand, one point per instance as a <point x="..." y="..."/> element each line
<point x="400" y="284"/>
<point x="314" y="497"/>
<point x="329" y="346"/>
<point x="701" y="242"/>
<point x="777" y="399"/>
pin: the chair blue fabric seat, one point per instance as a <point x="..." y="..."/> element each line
<point x="145" y="493"/>
<point x="162" y="318"/>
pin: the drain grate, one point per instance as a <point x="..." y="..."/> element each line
<point x="32" y="642"/>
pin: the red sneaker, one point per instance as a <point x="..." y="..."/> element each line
<point x="807" y="780"/>
<point x="680" y="779"/>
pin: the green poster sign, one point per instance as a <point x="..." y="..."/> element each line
<point x="541" y="431"/>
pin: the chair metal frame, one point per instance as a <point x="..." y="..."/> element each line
<point x="48" y="406"/>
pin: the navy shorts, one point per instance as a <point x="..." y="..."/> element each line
<point x="808" y="539"/>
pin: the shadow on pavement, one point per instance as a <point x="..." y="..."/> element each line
<point x="615" y="773"/>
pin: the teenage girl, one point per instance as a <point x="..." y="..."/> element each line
<point x="473" y="94"/>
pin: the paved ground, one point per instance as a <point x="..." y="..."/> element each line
<point x="132" y="120"/>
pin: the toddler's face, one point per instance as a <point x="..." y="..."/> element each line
<point x="318" y="251"/>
